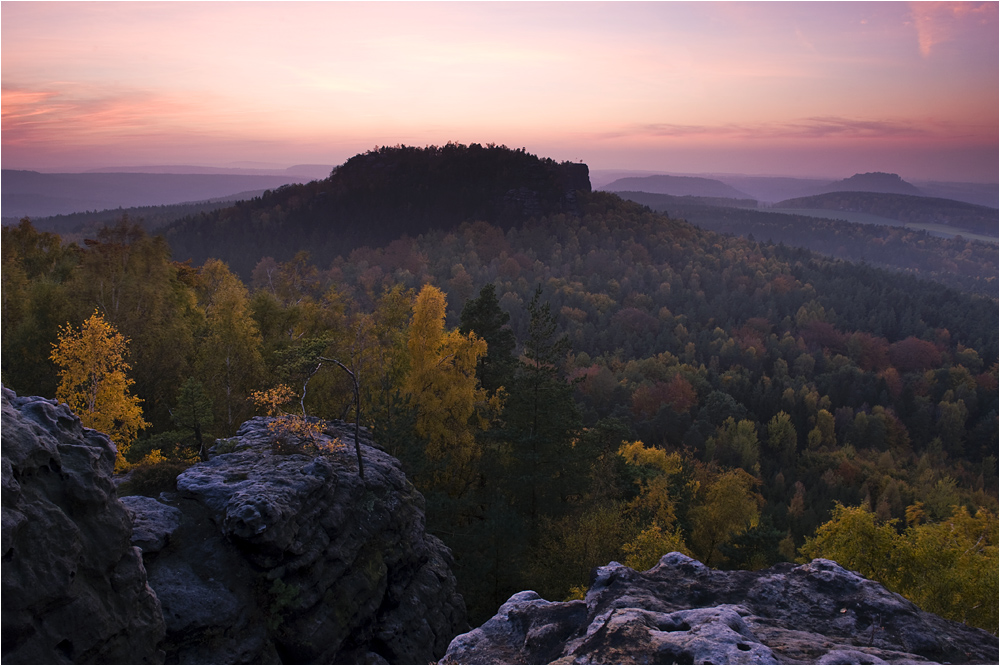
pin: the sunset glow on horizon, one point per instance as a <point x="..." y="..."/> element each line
<point x="805" y="89"/>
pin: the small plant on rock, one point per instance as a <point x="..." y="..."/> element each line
<point x="283" y="598"/>
<point x="153" y="475"/>
<point x="292" y="432"/>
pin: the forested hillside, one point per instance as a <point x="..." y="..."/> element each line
<point x="875" y="181"/>
<point x="77" y="226"/>
<point x="578" y="388"/>
<point x="676" y="186"/>
<point x="29" y="193"/>
<point x="905" y="208"/>
<point x="957" y="262"/>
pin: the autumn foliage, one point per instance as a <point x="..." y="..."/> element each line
<point x="774" y="381"/>
<point x="94" y="381"/>
<point x="948" y="567"/>
<point x="442" y="385"/>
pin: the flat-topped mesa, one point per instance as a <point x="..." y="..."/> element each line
<point x="264" y="555"/>
<point x="683" y="612"/>
<point x="376" y="197"/>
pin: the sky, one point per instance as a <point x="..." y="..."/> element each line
<point x="802" y="89"/>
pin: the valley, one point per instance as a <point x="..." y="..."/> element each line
<point x="563" y="372"/>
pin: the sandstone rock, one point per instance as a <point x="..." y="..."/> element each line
<point x="683" y="612"/>
<point x="153" y="522"/>
<point x="262" y="557"/>
<point x="74" y="588"/>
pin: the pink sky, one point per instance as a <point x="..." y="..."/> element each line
<point x="807" y="89"/>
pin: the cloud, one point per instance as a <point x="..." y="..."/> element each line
<point x="831" y="126"/>
<point x="816" y="127"/>
<point x="938" y="23"/>
<point x="91" y="115"/>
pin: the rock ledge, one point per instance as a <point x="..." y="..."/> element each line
<point x="680" y="611"/>
<point x="74" y="587"/>
<point x="264" y="557"/>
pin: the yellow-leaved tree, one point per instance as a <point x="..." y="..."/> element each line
<point x="661" y="483"/>
<point x="94" y="381"/>
<point x="442" y="385"/>
<point x="948" y="567"/>
<point x="728" y="507"/>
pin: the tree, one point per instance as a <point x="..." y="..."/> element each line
<point x="735" y="444"/>
<point x="380" y="359"/>
<point x="230" y="352"/>
<point x="129" y="278"/>
<point x="644" y="551"/>
<point x="730" y="507"/>
<point x="572" y="546"/>
<point x="948" y="568"/>
<point x="483" y="316"/>
<point x="194" y="411"/>
<point x="541" y="419"/>
<point x="443" y="387"/>
<point x="662" y="483"/>
<point x="94" y="382"/>
<point x="782" y="440"/>
<point x="35" y="302"/>
<point x="823" y="434"/>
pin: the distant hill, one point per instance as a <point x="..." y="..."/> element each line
<point x="774" y="188"/>
<point x="676" y="186"/>
<point x="309" y="171"/>
<point x="34" y="194"/>
<point x="982" y="194"/>
<point x="667" y="202"/>
<point x="75" y="227"/>
<point x="876" y="181"/>
<point x="956" y="262"/>
<point x="905" y="208"/>
<point x="771" y="189"/>
<point x="374" y="198"/>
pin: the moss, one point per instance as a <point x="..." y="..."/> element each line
<point x="374" y="567"/>
<point x="283" y="597"/>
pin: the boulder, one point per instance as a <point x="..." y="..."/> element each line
<point x="681" y="611"/>
<point x="275" y="553"/>
<point x="74" y="587"/>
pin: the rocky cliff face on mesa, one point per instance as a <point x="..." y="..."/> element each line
<point x="682" y="612"/>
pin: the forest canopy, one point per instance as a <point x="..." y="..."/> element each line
<point x="578" y="387"/>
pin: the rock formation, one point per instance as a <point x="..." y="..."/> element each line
<point x="74" y="587"/>
<point x="263" y="555"/>
<point x="682" y="612"/>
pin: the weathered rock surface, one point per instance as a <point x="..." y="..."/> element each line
<point x="683" y="612"/>
<point x="264" y="557"/>
<point x="74" y="587"/>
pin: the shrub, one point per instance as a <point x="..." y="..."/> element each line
<point x="150" y="478"/>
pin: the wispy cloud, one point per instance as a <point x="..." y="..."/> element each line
<point x="830" y="126"/>
<point x="79" y="114"/>
<point x="326" y="77"/>
<point x="942" y="22"/>
<point x="817" y="127"/>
